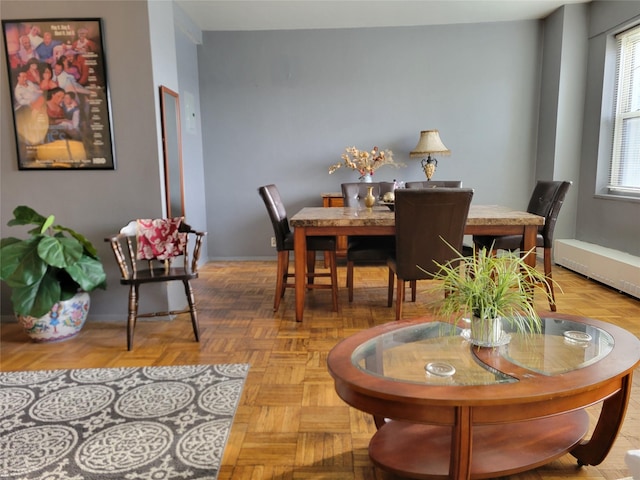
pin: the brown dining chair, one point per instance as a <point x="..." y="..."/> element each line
<point x="435" y="184"/>
<point x="365" y="250"/>
<point x="285" y="244"/>
<point x="428" y="223"/>
<point x="546" y="200"/>
<point x="149" y="251"/>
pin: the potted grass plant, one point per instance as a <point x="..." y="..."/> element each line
<point x="491" y="291"/>
<point x="50" y="274"/>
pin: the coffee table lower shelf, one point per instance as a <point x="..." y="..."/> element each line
<point x="424" y="451"/>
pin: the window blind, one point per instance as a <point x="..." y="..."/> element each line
<point x="624" y="177"/>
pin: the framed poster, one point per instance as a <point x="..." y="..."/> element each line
<point x="58" y="83"/>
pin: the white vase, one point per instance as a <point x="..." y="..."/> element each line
<point x="366" y="178"/>
<point x="64" y="321"/>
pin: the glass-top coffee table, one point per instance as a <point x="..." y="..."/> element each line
<point x="447" y="409"/>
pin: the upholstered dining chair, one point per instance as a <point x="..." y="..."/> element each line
<point x="353" y="193"/>
<point x="426" y="221"/>
<point x="435" y="184"/>
<point x="284" y="245"/>
<point x="148" y="251"/>
<point x="546" y="200"/>
<point x="367" y="250"/>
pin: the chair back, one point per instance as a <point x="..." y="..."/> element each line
<point x="354" y="193"/>
<point x="435" y="184"/>
<point x="277" y="213"/>
<point x="546" y="200"/>
<point x="425" y="219"/>
<point x="386" y="187"/>
<point x="131" y="255"/>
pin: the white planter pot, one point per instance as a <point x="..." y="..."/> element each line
<point x="64" y="321"/>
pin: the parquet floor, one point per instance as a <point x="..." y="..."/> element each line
<point x="290" y="424"/>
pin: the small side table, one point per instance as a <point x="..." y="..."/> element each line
<point x="332" y="199"/>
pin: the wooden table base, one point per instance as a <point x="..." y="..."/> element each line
<point x="424" y="451"/>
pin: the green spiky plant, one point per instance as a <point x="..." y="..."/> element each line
<point x="488" y="286"/>
<point x="50" y="266"/>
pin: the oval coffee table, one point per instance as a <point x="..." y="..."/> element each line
<point x="447" y="409"/>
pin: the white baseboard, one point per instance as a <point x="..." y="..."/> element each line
<point x="617" y="269"/>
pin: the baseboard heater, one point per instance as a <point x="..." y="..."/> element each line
<point x="612" y="267"/>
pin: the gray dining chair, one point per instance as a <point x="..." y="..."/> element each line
<point x="546" y="200"/>
<point x="365" y="250"/>
<point x="435" y="184"/>
<point x="284" y="245"/>
<point x="426" y="220"/>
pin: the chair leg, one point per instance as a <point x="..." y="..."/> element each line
<point x="333" y="265"/>
<point x="547" y="273"/>
<point x="350" y="280"/>
<point x="399" y="298"/>
<point x="283" y="266"/>
<point x="414" y="285"/>
<point x="192" y="309"/>
<point x="133" y="314"/>
<point x="311" y="265"/>
<point x="392" y="277"/>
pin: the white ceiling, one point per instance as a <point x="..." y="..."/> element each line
<point x="219" y="15"/>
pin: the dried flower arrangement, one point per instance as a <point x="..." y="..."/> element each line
<point x="365" y="162"/>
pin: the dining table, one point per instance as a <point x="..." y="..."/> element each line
<point x="380" y="220"/>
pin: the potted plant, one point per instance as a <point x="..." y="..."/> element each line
<point x="491" y="290"/>
<point x="49" y="273"/>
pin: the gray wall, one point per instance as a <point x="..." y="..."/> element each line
<point x="143" y="50"/>
<point x="94" y="203"/>
<point x="187" y="37"/>
<point x="281" y="106"/>
<point x="602" y="219"/>
<point x="561" y="103"/>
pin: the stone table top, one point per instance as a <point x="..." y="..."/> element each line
<point x="382" y="216"/>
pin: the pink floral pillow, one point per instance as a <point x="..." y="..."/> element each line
<point x="159" y="238"/>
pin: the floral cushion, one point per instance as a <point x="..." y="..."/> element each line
<point x="159" y="238"/>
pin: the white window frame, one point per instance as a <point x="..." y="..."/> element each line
<point x="624" y="172"/>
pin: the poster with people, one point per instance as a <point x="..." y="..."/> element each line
<point x="59" y="92"/>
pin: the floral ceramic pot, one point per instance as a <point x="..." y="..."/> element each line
<point x="64" y="321"/>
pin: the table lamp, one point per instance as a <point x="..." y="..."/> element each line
<point x="429" y="143"/>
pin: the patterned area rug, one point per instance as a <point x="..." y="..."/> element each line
<point x="148" y="423"/>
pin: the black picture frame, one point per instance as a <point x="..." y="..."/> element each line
<point x="60" y="94"/>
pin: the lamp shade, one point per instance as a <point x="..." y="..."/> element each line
<point x="429" y="143"/>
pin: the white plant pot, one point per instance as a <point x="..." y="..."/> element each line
<point x="64" y="321"/>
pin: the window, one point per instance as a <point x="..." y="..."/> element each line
<point x="624" y="177"/>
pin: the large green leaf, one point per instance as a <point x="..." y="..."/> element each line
<point x="8" y="241"/>
<point x="59" y="252"/>
<point x="26" y="216"/>
<point x="88" y="273"/>
<point x="20" y="265"/>
<point x="88" y="246"/>
<point x="37" y="299"/>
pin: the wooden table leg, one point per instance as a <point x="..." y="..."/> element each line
<point x="300" y="254"/>
<point x="594" y="451"/>
<point x="461" y="444"/>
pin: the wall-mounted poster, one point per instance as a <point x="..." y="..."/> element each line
<point x="59" y="91"/>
